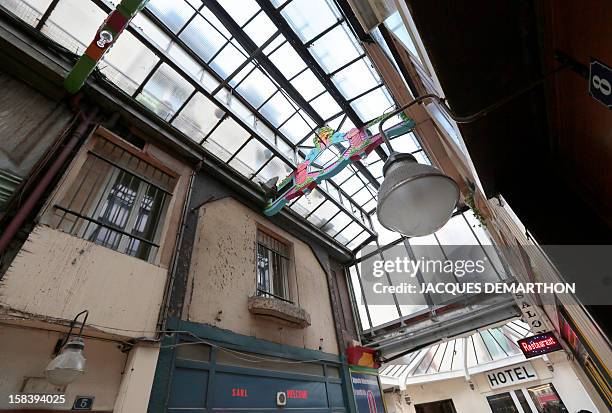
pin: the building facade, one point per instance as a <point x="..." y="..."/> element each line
<point x="133" y="215"/>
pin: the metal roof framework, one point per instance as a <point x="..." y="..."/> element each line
<point x="250" y="81"/>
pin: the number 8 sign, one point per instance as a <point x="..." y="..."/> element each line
<point x="600" y="82"/>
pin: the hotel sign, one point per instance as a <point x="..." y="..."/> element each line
<point x="512" y="375"/>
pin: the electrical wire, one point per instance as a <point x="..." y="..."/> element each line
<point x="247" y="357"/>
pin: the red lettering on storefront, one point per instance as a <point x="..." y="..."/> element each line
<point x="239" y="392"/>
<point x="297" y="394"/>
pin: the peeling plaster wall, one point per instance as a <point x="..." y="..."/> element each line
<point x="222" y="277"/>
<point x="26" y="352"/>
<point x="57" y="275"/>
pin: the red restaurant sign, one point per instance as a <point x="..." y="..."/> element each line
<point x="540" y="344"/>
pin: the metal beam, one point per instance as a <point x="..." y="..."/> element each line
<point x="170" y="61"/>
<point x="323" y="77"/>
<point x="252" y="49"/>
<point x="301" y="50"/>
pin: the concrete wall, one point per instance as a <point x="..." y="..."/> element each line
<point x="222" y="277"/>
<point x="568" y="386"/>
<point x="56" y="275"/>
<point x="24" y="353"/>
<point x="137" y="380"/>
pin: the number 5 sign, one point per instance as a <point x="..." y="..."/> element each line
<point x="600" y="82"/>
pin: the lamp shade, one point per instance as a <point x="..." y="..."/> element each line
<point x="67" y="366"/>
<point x="415" y="199"/>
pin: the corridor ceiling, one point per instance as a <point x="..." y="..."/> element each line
<point x="250" y="81"/>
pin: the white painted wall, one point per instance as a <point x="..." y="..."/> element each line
<point x="222" y="277"/>
<point x="25" y="352"/>
<point x="57" y="275"/>
<point x="563" y="378"/>
<point x="137" y="380"/>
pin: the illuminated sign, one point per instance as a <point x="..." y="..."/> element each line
<point x="541" y="344"/>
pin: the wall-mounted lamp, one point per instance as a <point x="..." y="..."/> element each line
<point x="69" y="364"/>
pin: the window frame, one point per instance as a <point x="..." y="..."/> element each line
<point x="288" y="258"/>
<point x="173" y="190"/>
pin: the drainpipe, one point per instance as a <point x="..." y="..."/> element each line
<point x="28" y="206"/>
<point x="178" y="245"/>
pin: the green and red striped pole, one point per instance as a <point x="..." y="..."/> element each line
<point x="106" y="36"/>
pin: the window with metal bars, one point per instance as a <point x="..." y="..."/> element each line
<point x="273" y="259"/>
<point x="117" y="200"/>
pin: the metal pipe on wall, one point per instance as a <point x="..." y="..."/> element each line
<point x="28" y="206"/>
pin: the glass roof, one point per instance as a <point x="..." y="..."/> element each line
<point x="483" y="346"/>
<point x="463" y="229"/>
<point x="250" y="81"/>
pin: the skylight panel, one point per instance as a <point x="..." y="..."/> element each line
<point x="352" y="185"/>
<point x="226" y="139"/>
<point x="307" y="84"/>
<point x="165" y="92"/>
<point x="173" y="13"/>
<point x="260" y="28"/>
<point x="73" y="23"/>
<point x="151" y="31"/>
<point x="186" y="62"/>
<point x="326" y="106"/>
<point x="235" y="106"/>
<point x="202" y="38"/>
<point x="362" y="196"/>
<point x="256" y="87"/>
<point x="308" y="18"/>
<point x="216" y="23"/>
<point x="422" y="158"/>
<point x="240" y="10"/>
<point x="246" y="68"/>
<point x="295" y="128"/>
<point x="360" y="239"/>
<point x="356" y="79"/>
<point x="323" y="213"/>
<point x="337" y="223"/>
<point x="275" y="168"/>
<point x="197" y="118"/>
<point x="278" y="109"/>
<point x="308" y="203"/>
<point x="336" y="48"/>
<point x="251" y="157"/>
<point x="29" y="11"/>
<point x="348" y="233"/>
<point x="286" y="59"/>
<point x="373" y="104"/>
<point x="405" y="143"/>
<point x="128" y="63"/>
<point x="227" y="61"/>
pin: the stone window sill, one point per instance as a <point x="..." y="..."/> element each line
<point x="273" y="307"/>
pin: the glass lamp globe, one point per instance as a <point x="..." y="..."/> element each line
<point x="414" y="199"/>
<point x="67" y="366"/>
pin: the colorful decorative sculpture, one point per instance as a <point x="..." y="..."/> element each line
<point x="105" y="37"/>
<point x="353" y="145"/>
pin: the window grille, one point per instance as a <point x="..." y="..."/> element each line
<point x="118" y="200"/>
<point x="272" y="267"/>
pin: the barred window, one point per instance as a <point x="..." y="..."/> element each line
<point x="273" y="258"/>
<point x="118" y="200"/>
